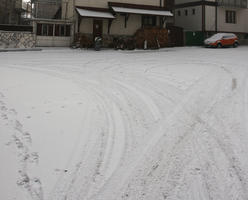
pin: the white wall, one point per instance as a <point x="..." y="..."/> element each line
<point x="49" y="41"/>
<point x="210" y="18"/>
<point x="241" y="19"/>
<point x="118" y="25"/>
<point x="190" y="22"/>
<point x="133" y="24"/>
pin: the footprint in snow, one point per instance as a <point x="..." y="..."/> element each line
<point x="34" y="158"/>
<point x="36" y="189"/>
<point x="3" y="108"/>
<point x="23" y="180"/>
<point x="27" y="137"/>
<point x="18" y="142"/>
<point x="18" y="126"/>
<point x="4" y="117"/>
<point x="13" y="111"/>
<point x="234" y="83"/>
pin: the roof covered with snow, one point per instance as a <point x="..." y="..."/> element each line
<point x="95" y="14"/>
<point x="142" y="11"/>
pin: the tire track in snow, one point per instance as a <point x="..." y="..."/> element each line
<point x="212" y="102"/>
<point x="105" y="153"/>
<point x="130" y="169"/>
<point x="104" y="145"/>
<point x="221" y="148"/>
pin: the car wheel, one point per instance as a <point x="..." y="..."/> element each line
<point x="235" y="45"/>
<point x="219" y="45"/>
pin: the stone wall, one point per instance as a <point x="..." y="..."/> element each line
<point x="9" y="39"/>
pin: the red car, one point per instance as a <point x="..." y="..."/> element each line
<point x="222" y="40"/>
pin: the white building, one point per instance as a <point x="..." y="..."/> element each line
<point x="213" y="16"/>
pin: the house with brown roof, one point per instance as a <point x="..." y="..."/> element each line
<point x="103" y="18"/>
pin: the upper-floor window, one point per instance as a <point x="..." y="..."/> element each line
<point x="179" y="13"/>
<point x="149" y="20"/>
<point x="186" y="12"/>
<point x="193" y="11"/>
<point x="230" y="17"/>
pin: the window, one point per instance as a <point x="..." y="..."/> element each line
<point x="68" y="30"/>
<point x="230" y="17"/>
<point x="48" y="30"/>
<point x="45" y="29"/>
<point x="39" y="29"/>
<point x="179" y="13"/>
<point x="62" y="30"/>
<point x="186" y="12"/>
<point x="193" y="11"/>
<point x="149" y="20"/>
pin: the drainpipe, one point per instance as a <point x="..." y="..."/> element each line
<point x="203" y="19"/>
<point x="160" y="18"/>
<point x="216" y="16"/>
<point x="74" y="20"/>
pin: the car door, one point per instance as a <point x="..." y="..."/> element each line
<point x="225" y="40"/>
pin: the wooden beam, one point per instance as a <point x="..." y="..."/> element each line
<point x="109" y="25"/>
<point x="163" y="20"/>
<point x="79" y="22"/>
<point x="126" y="19"/>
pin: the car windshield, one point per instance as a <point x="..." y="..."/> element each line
<point x="216" y="36"/>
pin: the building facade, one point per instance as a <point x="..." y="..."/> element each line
<point x="51" y="25"/>
<point x="10" y="11"/>
<point x="212" y="16"/>
<point x="103" y="18"/>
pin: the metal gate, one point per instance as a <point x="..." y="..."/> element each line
<point x="194" y="38"/>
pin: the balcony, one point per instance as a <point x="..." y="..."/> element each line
<point x="233" y="3"/>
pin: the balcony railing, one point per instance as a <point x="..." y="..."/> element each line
<point x="233" y="3"/>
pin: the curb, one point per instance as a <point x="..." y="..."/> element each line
<point x="19" y="50"/>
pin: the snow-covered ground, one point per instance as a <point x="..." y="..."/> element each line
<point x="133" y="125"/>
